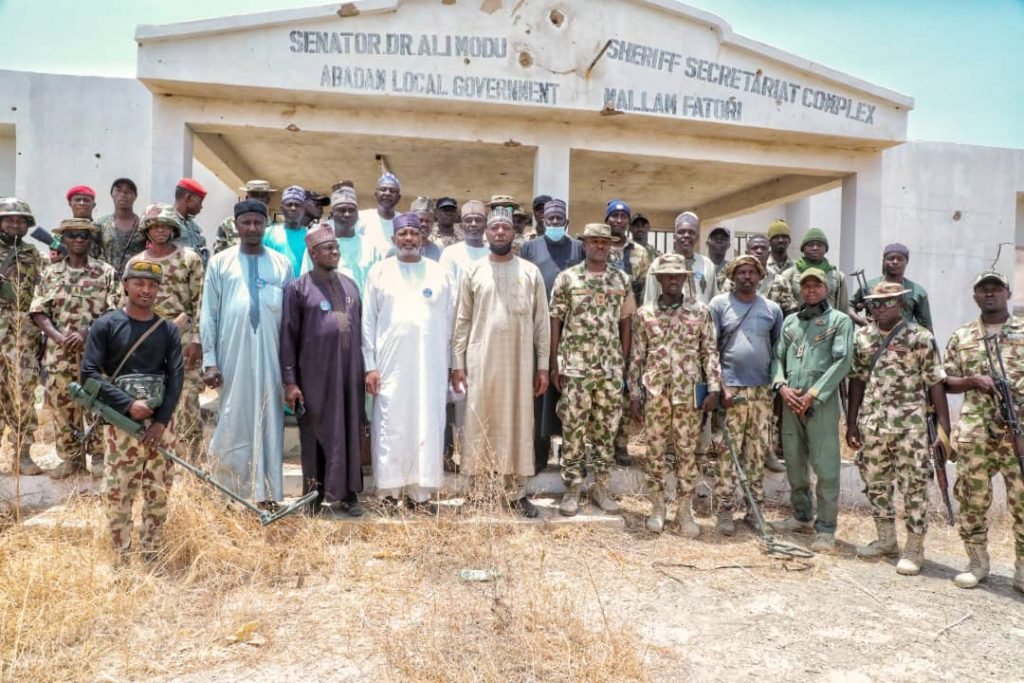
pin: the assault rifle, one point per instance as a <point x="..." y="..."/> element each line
<point x="1004" y="394"/>
<point x="939" y="464"/>
<point x="88" y="396"/>
<point x="772" y="545"/>
<point x="862" y="284"/>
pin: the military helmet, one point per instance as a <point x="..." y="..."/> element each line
<point x="12" y="206"/>
<point x="160" y="214"/>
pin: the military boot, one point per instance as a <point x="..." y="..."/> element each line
<point x="656" y="520"/>
<point x="1018" y="576"/>
<point x="772" y="463"/>
<point x="885" y="545"/>
<point x="725" y="525"/>
<point x="570" y="504"/>
<point x="25" y="466"/>
<point x="602" y="499"/>
<point x="823" y="542"/>
<point x="977" y="570"/>
<point x="66" y="469"/>
<point x="97" y="467"/>
<point x="684" y="523"/>
<point x="912" y="557"/>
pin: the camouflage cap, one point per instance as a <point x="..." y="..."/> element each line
<point x="887" y="290"/>
<point x="815" y="273"/>
<point x="160" y="214"/>
<point x="422" y="205"/>
<point x="142" y="269"/>
<point x="992" y="275"/>
<point x="745" y="260"/>
<point x="670" y="264"/>
<point x="596" y="230"/>
<point x="12" y="206"/>
<point x="502" y="200"/>
<point x="72" y="224"/>
<point x="257" y="186"/>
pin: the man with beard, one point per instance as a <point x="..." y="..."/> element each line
<point x="894" y="264"/>
<point x="700" y="285"/>
<point x="240" y="326"/>
<point x="408" y="306"/>
<point x="552" y="251"/>
<point x="747" y="326"/>
<point x="500" y="357"/>
<point x="812" y="357"/>
<point x="378" y="222"/>
<point x="322" y="371"/>
<point x="289" y="238"/>
<point x="120" y="237"/>
<point x="423" y="208"/>
<point x="227" y="234"/>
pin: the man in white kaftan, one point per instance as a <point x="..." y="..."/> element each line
<point x="378" y="224"/>
<point x="240" y="323"/>
<point x="408" y="306"/>
<point x="500" y="356"/>
<point x="459" y="257"/>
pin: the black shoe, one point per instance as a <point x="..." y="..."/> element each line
<point x="351" y="505"/>
<point x="523" y="507"/>
<point x="623" y="458"/>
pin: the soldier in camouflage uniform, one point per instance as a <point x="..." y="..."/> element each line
<point x="811" y="359"/>
<point x="673" y="345"/>
<point x="120" y="237"/>
<point x="591" y="307"/>
<point x="982" y="442"/>
<point x="814" y="246"/>
<point x="640" y="229"/>
<point x="180" y="294"/>
<point x="20" y="265"/>
<point x="135" y="355"/>
<point x="717" y="243"/>
<point x="448" y="231"/>
<point x="779" y="239"/>
<point x="70" y="296"/>
<point x="188" y="202"/>
<point x="634" y="261"/>
<point x="896" y="365"/>
<point x="227" y="233"/>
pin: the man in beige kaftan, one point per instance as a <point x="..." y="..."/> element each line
<point x="500" y="354"/>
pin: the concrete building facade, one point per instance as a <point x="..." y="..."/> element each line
<point x="650" y="101"/>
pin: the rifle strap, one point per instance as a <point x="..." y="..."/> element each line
<point x="136" y="345"/>
<point x="885" y="345"/>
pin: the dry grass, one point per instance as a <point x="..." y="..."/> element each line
<point x="227" y="592"/>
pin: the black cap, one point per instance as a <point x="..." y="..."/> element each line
<point x="250" y="206"/>
<point x="445" y="202"/>
<point x="722" y="229"/>
<point x="639" y="218"/>
<point x="125" y="181"/>
<point x="320" y="199"/>
<point x="540" y="200"/>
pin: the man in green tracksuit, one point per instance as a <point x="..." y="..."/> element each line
<point x="812" y="356"/>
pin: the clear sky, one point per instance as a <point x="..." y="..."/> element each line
<point x="962" y="61"/>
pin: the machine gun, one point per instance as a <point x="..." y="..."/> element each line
<point x="773" y="546"/>
<point x="88" y="396"/>
<point x="1004" y="393"/>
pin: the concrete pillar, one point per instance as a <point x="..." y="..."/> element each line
<point x="172" y="149"/>
<point x="551" y="171"/>
<point x="861" y="218"/>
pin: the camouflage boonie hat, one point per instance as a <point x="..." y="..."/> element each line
<point x="992" y="275"/>
<point x="503" y="200"/>
<point x="257" y="186"/>
<point x="12" y="206"/>
<point x="143" y="270"/>
<point x="670" y="264"/>
<point x="160" y="214"/>
<point x="816" y="273"/>
<point x="886" y="290"/>
<point x="596" y="230"/>
<point x="422" y="205"/>
<point x="72" y="224"/>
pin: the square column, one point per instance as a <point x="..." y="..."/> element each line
<point x="172" y="149"/>
<point x="551" y="171"/>
<point x="861" y="220"/>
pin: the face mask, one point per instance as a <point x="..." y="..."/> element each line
<point x="555" y="234"/>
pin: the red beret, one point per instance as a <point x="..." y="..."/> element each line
<point x="81" y="189"/>
<point x="193" y="187"/>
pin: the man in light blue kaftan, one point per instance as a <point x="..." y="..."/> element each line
<point x="289" y="238"/>
<point x="357" y="252"/>
<point x="240" y="324"/>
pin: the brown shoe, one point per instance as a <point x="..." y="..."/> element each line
<point x="66" y="469"/>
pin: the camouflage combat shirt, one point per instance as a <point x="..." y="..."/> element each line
<point x="590" y="306"/>
<point x="894" y="396"/>
<point x="181" y="290"/>
<point x="16" y="289"/>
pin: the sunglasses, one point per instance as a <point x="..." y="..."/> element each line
<point x="884" y="303"/>
<point x="146" y="267"/>
<point x="78" y="235"/>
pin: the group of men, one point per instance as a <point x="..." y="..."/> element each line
<point x="467" y="320"/>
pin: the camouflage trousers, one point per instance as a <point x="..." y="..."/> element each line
<point x="628" y="427"/>
<point x="749" y="424"/>
<point x="128" y="468"/>
<point x="898" y="458"/>
<point x="589" y="409"/>
<point x="188" y="421"/>
<point x="680" y="423"/>
<point x="69" y="417"/>
<point x="978" y="462"/>
<point x="19" y="375"/>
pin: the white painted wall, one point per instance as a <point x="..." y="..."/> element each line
<point x="8" y="161"/>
